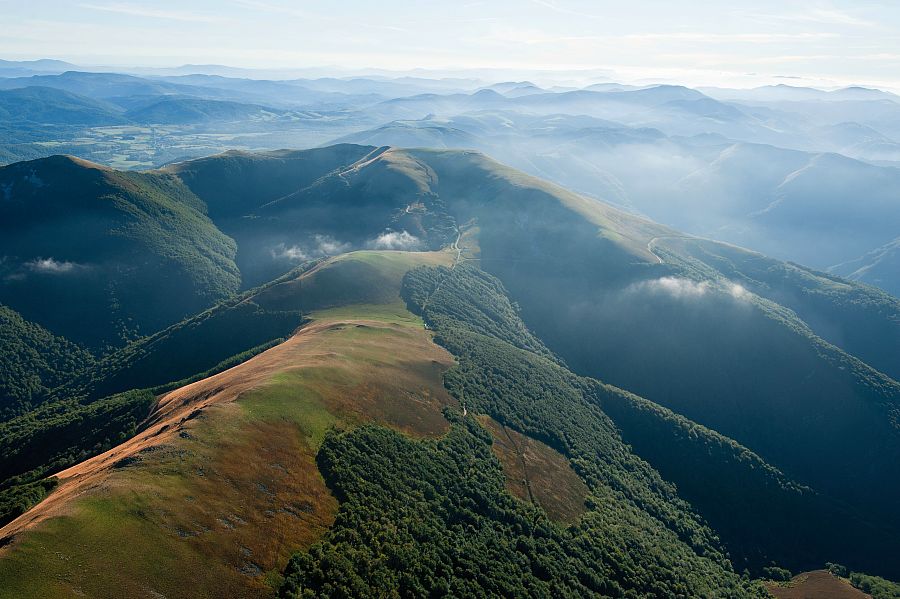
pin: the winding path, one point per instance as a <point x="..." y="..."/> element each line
<point x="657" y="238"/>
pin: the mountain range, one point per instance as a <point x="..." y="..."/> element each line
<point x="352" y="369"/>
<point x="790" y="204"/>
<point x="288" y="333"/>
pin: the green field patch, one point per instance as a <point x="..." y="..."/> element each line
<point x="395" y="312"/>
<point x="292" y="396"/>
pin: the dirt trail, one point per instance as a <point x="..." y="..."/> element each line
<point x="175" y="408"/>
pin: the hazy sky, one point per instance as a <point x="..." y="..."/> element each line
<point x="746" y="42"/>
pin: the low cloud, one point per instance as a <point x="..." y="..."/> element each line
<point x="395" y="241"/>
<point x="293" y="253"/>
<point x="681" y="288"/>
<point x="318" y="247"/>
<point x="329" y="246"/>
<point x="738" y="292"/>
<point x="674" y="286"/>
<point x="52" y="266"/>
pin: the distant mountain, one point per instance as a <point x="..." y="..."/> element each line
<point x="790" y="93"/>
<point x="818" y="210"/>
<point x="26" y="68"/>
<point x="606" y="87"/>
<point x="878" y="267"/>
<point x="30" y="106"/>
<point x="515" y="89"/>
<point x="113" y="86"/>
<point x="415" y="134"/>
<point x="183" y="111"/>
<point x="299" y="93"/>
<point x="812" y="208"/>
<point x="48" y="106"/>
<point x="94" y="85"/>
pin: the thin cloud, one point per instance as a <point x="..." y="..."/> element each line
<point x="677" y="287"/>
<point x="535" y="37"/>
<point x="141" y="11"/>
<point x="299" y="13"/>
<point x="550" y="4"/>
<point x="702" y="37"/>
<point x="317" y="246"/>
<point x="52" y="266"/>
<point x="839" y="17"/>
<point x="395" y="241"/>
<point x="821" y="16"/>
<point x="273" y="8"/>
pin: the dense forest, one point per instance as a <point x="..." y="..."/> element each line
<point x="763" y="517"/>
<point x="658" y="545"/>
<point x="32" y="362"/>
<point x="433" y="519"/>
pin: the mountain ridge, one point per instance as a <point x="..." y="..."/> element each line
<point x="551" y="310"/>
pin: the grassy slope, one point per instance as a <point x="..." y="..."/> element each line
<point x="819" y="583"/>
<point x="537" y="473"/>
<point x="214" y="501"/>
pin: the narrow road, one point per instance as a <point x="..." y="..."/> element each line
<point x="455" y="246"/>
<point x="655" y="239"/>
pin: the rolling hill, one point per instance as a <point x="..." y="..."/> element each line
<point x="355" y="363"/>
<point x="183" y="111"/>
<point x="449" y="377"/>
<point x="813" y="208"/>
<point x="49" y="106"/>
<point x="878" y="267"/>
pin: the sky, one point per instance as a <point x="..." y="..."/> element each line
<point x="739" y="43"/>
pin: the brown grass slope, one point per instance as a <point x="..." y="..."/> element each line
<point x="221" y="487"/>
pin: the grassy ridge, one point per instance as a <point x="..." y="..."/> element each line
<point x="221" y="506"/>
